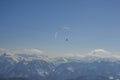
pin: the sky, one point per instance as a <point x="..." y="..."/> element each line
<point x="46" y="24"/>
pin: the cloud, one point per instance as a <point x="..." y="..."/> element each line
<point x="33" y="51"/>
<point x="101" y="53"/>
<point x="25" y="51"/>
<point x="2" y="50"/>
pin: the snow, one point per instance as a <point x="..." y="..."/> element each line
<point x="70" y="69"/>
<point x="25" y="65"/>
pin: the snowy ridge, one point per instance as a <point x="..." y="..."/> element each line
<point x="90" y="66"/>
<point x="19" y="65"/>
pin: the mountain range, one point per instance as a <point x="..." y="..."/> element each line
<point x="95" y="66"/>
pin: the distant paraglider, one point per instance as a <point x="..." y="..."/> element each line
<point x="63" y="38"/>
<point x="63" y="33"/>
<point x="66" y="39"/>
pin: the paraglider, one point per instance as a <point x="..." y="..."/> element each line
<point x="63" y="33"/>
<point x="62" y="38"/>
<point x="66" y="39"/>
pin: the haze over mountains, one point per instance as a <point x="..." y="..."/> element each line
<point x="97" y="65"/>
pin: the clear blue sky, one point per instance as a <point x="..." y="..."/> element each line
<point x="33" y="24"/>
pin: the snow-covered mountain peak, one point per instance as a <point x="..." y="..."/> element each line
<point x="9" y="57"/>
<point x="30" y="57"/>
<point x="100" y="53"/>
<point x="95" y="55"/>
